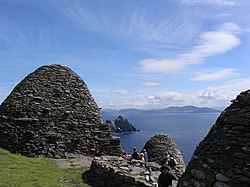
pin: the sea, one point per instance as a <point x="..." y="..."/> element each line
<point x="186" y="129"/>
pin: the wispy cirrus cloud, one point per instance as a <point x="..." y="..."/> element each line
<point x="211" y="2"/>
<point x="215" y="76"/>
<point x="151" y="84"/>
<point x="121" y="91"/>
<point x="26" y="38"/>
<point x="210" y="44"/>
<point x="139" y="23"/>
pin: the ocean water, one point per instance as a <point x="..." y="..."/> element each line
<point x="186" y="129"/>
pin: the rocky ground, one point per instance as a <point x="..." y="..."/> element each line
<point x="79" y="161"/>
<point x="74" y="161"/>
<point x="115" y="171"/>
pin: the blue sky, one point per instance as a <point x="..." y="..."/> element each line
<point x="132" y="54"/>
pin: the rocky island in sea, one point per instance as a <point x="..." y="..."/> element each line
<point x="121" y="125"/>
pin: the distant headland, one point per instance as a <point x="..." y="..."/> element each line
<point x="172" y="109"/>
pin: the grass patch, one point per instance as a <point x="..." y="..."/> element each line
<point x="21" y="171"/>
<point x="74" y="176"/>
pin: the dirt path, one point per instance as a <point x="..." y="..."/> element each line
<point x="74" y="161"/>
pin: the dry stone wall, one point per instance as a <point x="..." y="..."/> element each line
<point x="114" y="171"/>
<point x="50" y="113"/>
<point x="222" y="159"/>
<point x="160" y="146"/>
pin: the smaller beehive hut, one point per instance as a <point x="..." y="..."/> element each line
<point x="160" y="147"/>
<point x="222" y="159"/>
<point x="51" y="112"/>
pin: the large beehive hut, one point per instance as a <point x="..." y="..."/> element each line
<point x="50" y="113"/>
<point x="160" y="146"/>
<point x="222" y="159"/>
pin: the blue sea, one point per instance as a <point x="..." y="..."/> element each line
<point x="186" y="129"/>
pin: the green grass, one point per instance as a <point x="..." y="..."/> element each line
<point x="21" y="171"/>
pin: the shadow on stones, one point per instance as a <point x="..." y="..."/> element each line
<point x="86" y="178"/>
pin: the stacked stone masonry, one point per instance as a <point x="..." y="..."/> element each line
<point x="50" y="113"/>
<point x="114" y="171"/>
<point x="222" y="159"/>
<point x="160" y="147"/>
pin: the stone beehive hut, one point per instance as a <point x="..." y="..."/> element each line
<point x="51" y="112"/>
<point x="160" y="147"/>
<point x="222" y="159"/>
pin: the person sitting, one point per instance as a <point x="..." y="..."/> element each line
<point x="135" y="154"/>
<point x="142" y="157"/>
<point x="125" y="155"/>
<point x="166" y="177"/>
<point x="145" y="155"/>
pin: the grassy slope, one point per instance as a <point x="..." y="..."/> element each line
<point x="21" y="171"/>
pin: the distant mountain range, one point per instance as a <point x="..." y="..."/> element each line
<point x="172" y="109"/>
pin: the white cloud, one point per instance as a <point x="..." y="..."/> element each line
<point x="161" y="65"/>
<point x="121" y="91"/>
<point x="151" y="97"/>
<point x="218" y="75"/>
<point x="227" y="91"/>
<point x="161" y="99"/>
<point x="212" y="2"/>
<point x="212" y="96"/>
<point x="231" y="27"/>
<point x="151" y="84"/>
<point x="211" y="43"/>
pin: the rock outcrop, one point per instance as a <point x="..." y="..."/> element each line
<point x="114" y="171"/>
<point x="160" y="147"/>
<point x="222" y="159"/>
<point x="51" y="112"/>
<point x="121" y="125"/>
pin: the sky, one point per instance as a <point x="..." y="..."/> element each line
<point x="145" y="54"/>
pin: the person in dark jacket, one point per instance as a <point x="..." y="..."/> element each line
<point x="166" y="177"/>
<point x="135" y="154"/>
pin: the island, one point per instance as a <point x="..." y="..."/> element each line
<point x="121" y="125"/>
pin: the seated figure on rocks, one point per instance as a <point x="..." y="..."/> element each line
<point x="125" y="155"/>
<point x="142" y="157"/>
<point x="135" y="154"/>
